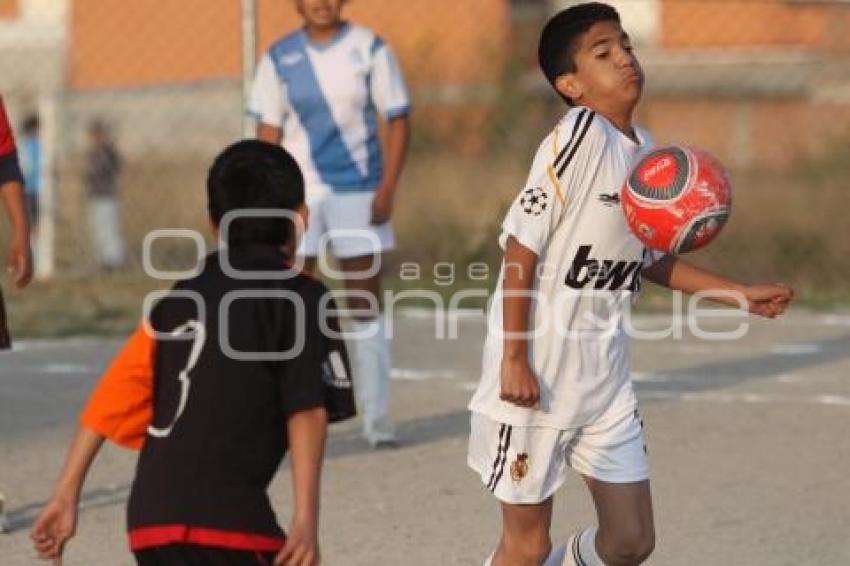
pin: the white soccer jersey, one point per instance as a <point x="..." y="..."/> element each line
<point x="589" y="266"/>
<point x="326" y="98"/>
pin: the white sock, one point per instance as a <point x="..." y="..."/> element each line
<point x="581" y="549"/>
<point x="372" y="357"/>
<point x="556" y="556"/>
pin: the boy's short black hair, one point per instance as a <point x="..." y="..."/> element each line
<point x="255" y="174"/>
<point x="559" y="40"/>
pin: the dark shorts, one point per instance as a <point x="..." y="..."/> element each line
<point x="196" y="555"/>
<point x="5" y="339"/>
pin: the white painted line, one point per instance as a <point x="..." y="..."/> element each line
<point x="751" y="398"/>
<point x="791" y="378"/>
<point x="405" y="374"/>
<point x="642" y="377"/>
<point x="796" y="349"/>
<point x="48" y="343"/>
<point x="833" y="400"/>
<point x="834" y="319"/>
<point x="65" y="368"/>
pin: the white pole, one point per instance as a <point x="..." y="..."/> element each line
<point x="45" y="253"/>
<point x="249" y="59"/>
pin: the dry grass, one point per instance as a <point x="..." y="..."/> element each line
<point x="788" y="226"/>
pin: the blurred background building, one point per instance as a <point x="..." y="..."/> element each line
<point x="764" y="84"/>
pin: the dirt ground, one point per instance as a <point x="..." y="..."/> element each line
<point x="747" y="441"/>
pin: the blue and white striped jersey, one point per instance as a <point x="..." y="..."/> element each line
<point x="326" y="98"/>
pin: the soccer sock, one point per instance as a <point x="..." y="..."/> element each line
<point x="556" y="556"/>
<point x="581" y="549"/>
<point x="372" y="354"/>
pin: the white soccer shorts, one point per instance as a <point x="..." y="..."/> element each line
<point x="341" y="221"/>
<point x="524" y="465"/>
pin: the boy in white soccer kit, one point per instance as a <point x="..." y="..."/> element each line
<point x="320" y="91"/>
<point x="555" y="391"/>
<point x="580" y="345"/>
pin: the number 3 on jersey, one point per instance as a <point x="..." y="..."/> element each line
<point x="199" y="336"/>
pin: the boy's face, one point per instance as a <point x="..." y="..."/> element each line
<point x="608" y="76"/>
<point x="320" y="13"/>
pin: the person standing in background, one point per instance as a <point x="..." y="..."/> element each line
<point x="19" y="259"/>
<point x="102" y="167"/>
<point x="30" y="158"/>
<point x="319" y="92"/>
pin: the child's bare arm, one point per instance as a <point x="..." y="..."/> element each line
<point x="19" y="259"/>
<point x="518" y="384"/>
<point x="57" y="522"/>
<point x="306" y="431"/>
<point x="769" y="300"/>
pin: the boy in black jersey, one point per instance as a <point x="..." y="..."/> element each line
<point x="233" y="367"/>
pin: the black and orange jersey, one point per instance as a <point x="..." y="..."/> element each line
<point x="9" y="168"/>
<point x="205" y="389"/>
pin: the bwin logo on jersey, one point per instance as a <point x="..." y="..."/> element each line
<point x="607" y="274"/>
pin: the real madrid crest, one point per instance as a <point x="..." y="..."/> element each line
<point x="519" y="467"/>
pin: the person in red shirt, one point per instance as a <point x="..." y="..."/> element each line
<point x="12" y="194"/>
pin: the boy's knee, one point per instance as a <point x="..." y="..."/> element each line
<point x="627" y="549"/>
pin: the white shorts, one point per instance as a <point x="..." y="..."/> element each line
<point x="529" y="464"/>
<point x="342" y="221"/>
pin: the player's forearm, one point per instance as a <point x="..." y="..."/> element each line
<point x="520" y="263"/>
<point x="81" y="454"/>
<point x="307" y="431"/>
<point x="268" y="133"/>
<point x="398" y="139"/>
<point x="680" y="275"/>
<point x="13" y="199"/>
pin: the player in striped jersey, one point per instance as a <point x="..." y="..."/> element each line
<point x="12" y="193"/>
<point x="320" y="91"/>
<point x="555" y="391"/>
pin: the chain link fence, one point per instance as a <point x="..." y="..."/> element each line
<point x="764" y="84"/>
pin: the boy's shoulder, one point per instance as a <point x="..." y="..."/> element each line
<point x="581" y="131"/>
<point x="583" y="126"/>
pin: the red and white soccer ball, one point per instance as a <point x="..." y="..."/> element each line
<point x="676" y="199"/>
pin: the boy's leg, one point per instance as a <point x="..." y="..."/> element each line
<point x="372" y="351"/>
<point x="626" y="534"/>
<point x="525" y="534"/>
<point x="359" y="245"/>
<point x="611" y="457"/>
<point x="523" y="467"/>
